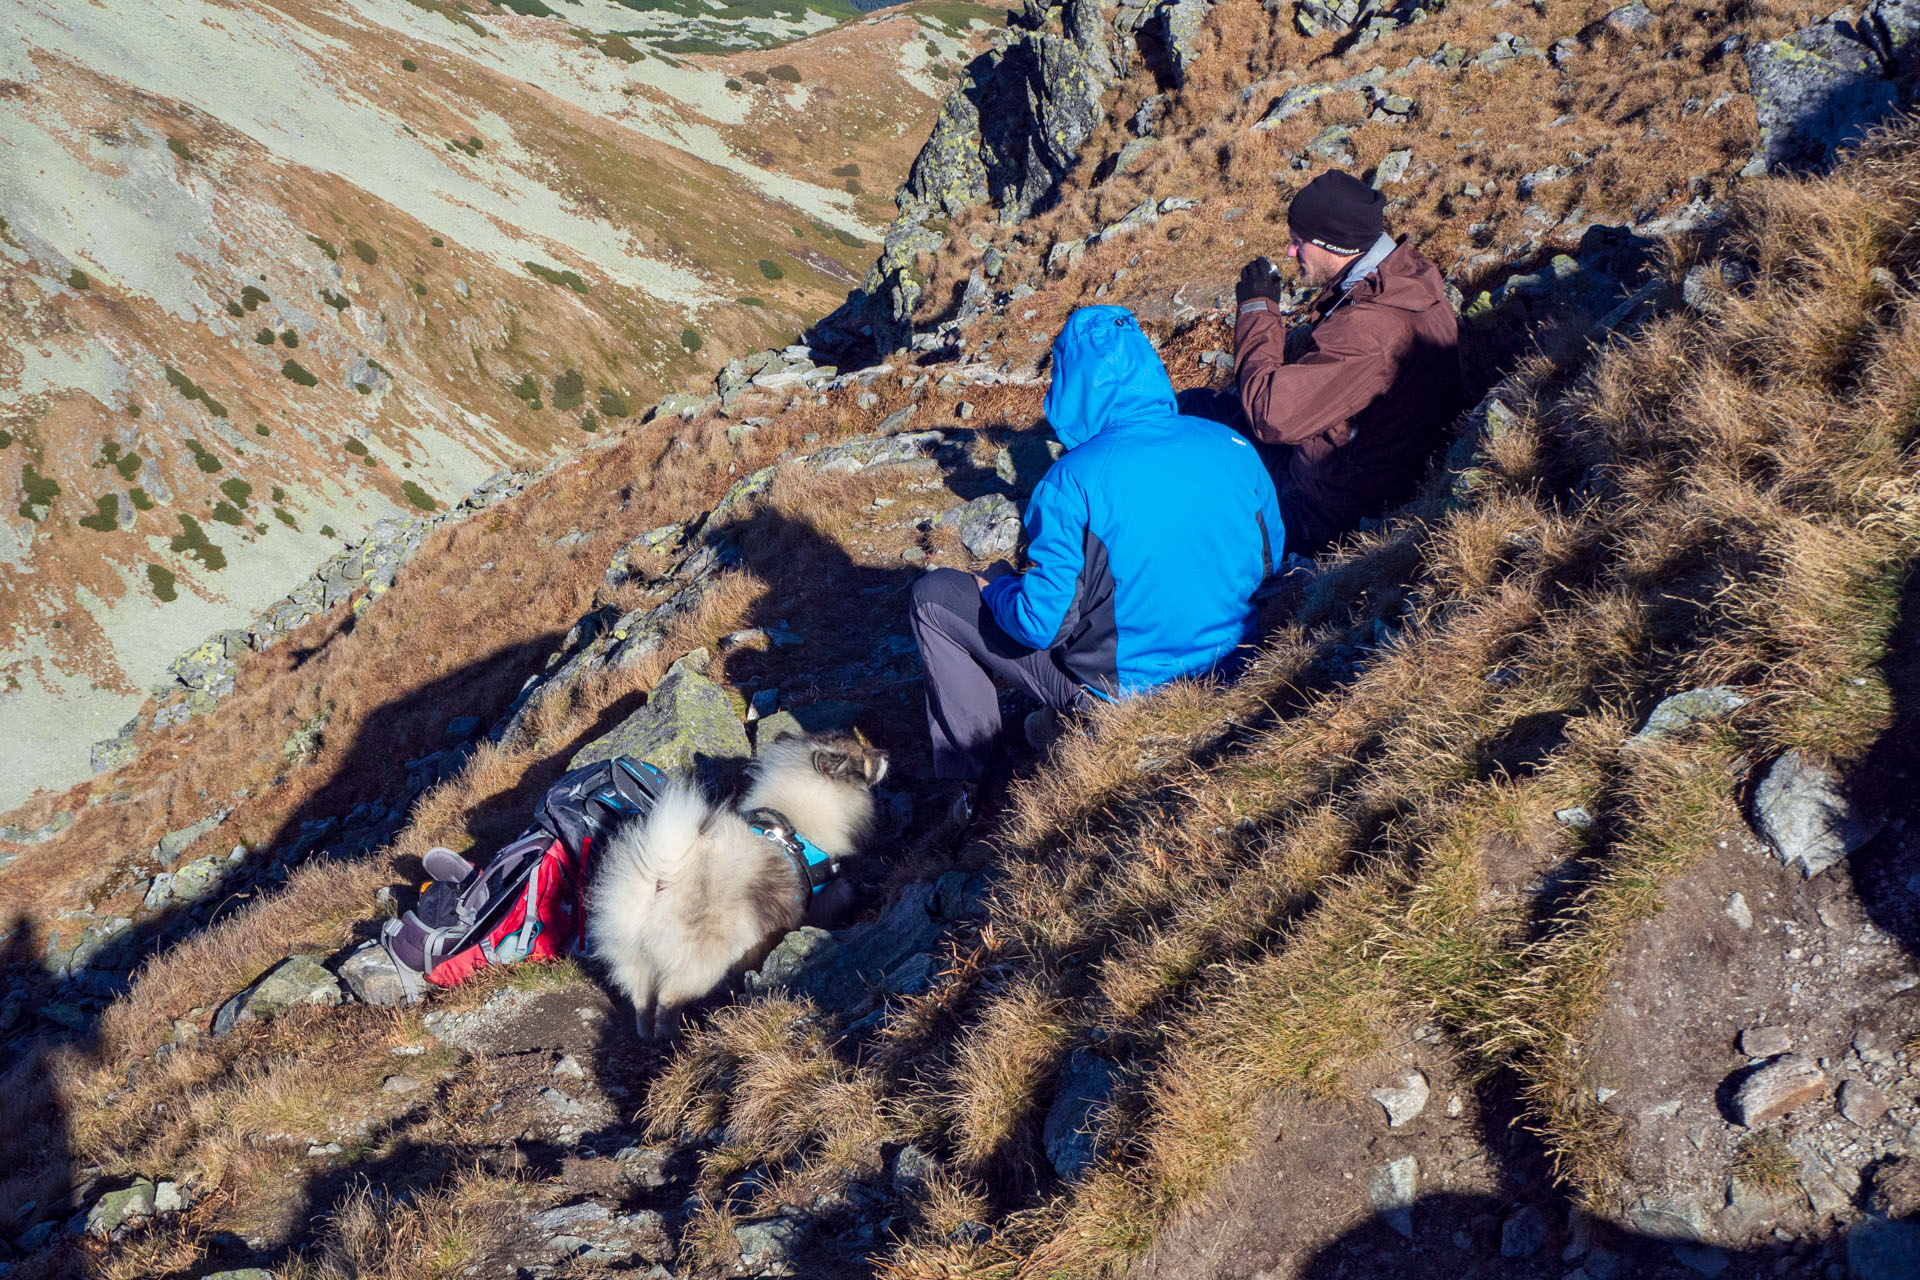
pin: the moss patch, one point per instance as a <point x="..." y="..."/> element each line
<point x="528" y="390"/>
<point x="613" y="404"/>
<point x="418" y="497"/>
<point x="571" y="279"/>
<point x="162" y="580"/>
<point x="264" y="337"/>
<point x="771" y="270"/>
<point x="40" y="490"/>
<point x="251" y="297"/>
<point x="138" y="496"/>
<point x="106" y="516"/>
<point x="289" y="339"/>
<point x="238" y="491"/>
<point x="227" y="513"/>
<point x="77" y="279"/>
<point x="192" y="541"/>
<point x="338" y="301"/>
<point x="189" y="390"/>
<point x="294" y="371"/>
<point x="179" y="148"/>
<point x="569" y="390"/>
<point x="690" y="339"/>
<point x="326" y="247"/>
<point x="202" y="458"/>
<point x="408" y="64"/>
<point x="284" y="517"/>
<point x="365" y="252"/>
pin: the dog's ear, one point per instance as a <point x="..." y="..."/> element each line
<point x="835" y="763"/>
<point x="876" y="764"/>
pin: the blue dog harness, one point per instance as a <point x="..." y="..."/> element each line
<point x="811" y="864"/>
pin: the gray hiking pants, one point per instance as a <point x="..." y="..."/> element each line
<point x="963" y="649"/>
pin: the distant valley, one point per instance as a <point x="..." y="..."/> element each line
<point x="278" y="269"/>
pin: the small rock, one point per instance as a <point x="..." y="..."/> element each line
<point x="1085" y="1084"/>
<point x="373" y="977"/>
<point x="244" y="1273"/>
<point x="561" y="1103"/>
<point x="169" y="1198"/>
<point x="569" y="1066"/>
<point x="1577" y="817"/>
<point x="963" y="410"/>
<point x="1629" y="19"/>
<point x="988" y="526"/>
<point x="401" y="1084"/>
<point x="1524" y="1231"/>
<point x="913" y="1171"/>
<point x="1392" y="1191"/>
<point x="1765" y="1042"/>
<point x="1861" y="1103"/>
<point x="768" y="1245"/>
<point x="1787" y="1082"/>
<point x="1704" y="1258"/>
<point x="1737" y="912"/>
<point x="1802" y="810"/>
<point x="1683" y="710"/>
<point x="897" y="420"/>
<point x="1406" y="1102"/>
<point x="569" y="1218"/>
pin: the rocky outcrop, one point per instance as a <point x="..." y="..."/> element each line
<point x="1823" y="87"/>
<point x="1007" y="134"/>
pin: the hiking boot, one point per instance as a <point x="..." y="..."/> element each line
<point x="1044" y="728"/>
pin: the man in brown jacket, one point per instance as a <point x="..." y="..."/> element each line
<point x="1358" y="410"/>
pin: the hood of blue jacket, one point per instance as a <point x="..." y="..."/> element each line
<point x="1105" y="374"/>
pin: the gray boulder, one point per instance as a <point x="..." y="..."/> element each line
<point x="1179" y="26"/>
<point x="988" y="526"/>
<point x="1824" y="86"/>
<point x="1084" y="1087"/>
<point x="1803" y="811"/>
<point x="117" y="1209"/>
<point x="1683" y="710"/>
<point x="1782" y="1085"/>
<point x="295" y="981"/>
<point x="373" y="977"/>
<point x="686" y="717"/>
<point x="768" y="1246"/>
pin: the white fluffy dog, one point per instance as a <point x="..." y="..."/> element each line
<point x="691" y="895"/>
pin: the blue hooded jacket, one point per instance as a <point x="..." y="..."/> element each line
<point x="1149" y="537"/>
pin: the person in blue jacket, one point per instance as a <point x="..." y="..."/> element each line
<point x="1146" y="542"/>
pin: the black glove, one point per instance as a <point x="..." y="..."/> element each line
<point x="1260" y="279"/>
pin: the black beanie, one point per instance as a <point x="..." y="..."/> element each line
<point x="1338" y="212"/>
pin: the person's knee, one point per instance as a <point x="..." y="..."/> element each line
<point x="943" y="588"/>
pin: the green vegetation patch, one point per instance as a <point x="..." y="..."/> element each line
<point x="408" y="64"/>
<point x="589" y="421"/>
<point x="848" y="170"/>
<point x="6" y="439"/>
<point x="437" y="242"/>
<point x="527" y="8"/>
<point x="751" y="300"/>
<point x="106" y="516"/>
<point x="235" y="310"/>
<point x="133" y="409"/>
<point x="188" y="390"/>
<point x="294" y="371"/>
<point x="339" y="302"/>
<point x="251" y="297"/>
<point x="418" y="497"/>
<point x="569" y="390"/>
<point x="735" y="85"/>
<point x="260" y="429"/>
<point x="180" y="149"/>
<point x="326" y="531"/>
<point x="612" y="403"/>
<point x="77" y="279"/>
<point x="690" y="339"/>
<point x="192" y="541"/>
<point x="326" y="247"/>
<point x="203" y="457"/>
<point x="126" y="463"/>
<point x="40" y="490"/>
<point x="785" y="71"/>
<point x="138" y="496"/>
<point x="238" y="491"/>
<point x="528" y="390"/>
<point x="571" y="279"/>
<point x="278" y="494"/>
<point x="162" y="579"/>
<point x="227" y="513"/>
<point x="264" y="337"/>
<point x="771" y="270"/>
<point x="356" y="447"/>
<point x="754" y="77"/>
<point x="284" y="517"/>
<point x="365" y="252"/>
<point x="289" y="339"/>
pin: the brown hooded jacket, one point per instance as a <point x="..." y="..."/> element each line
<point x="1366" y="402"/>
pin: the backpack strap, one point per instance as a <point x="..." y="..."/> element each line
<point x="813" y="866"/>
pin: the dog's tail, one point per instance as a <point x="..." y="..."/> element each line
<point x="671" y="837"/>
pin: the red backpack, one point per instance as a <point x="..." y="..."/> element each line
<point x="529" y="900"/>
